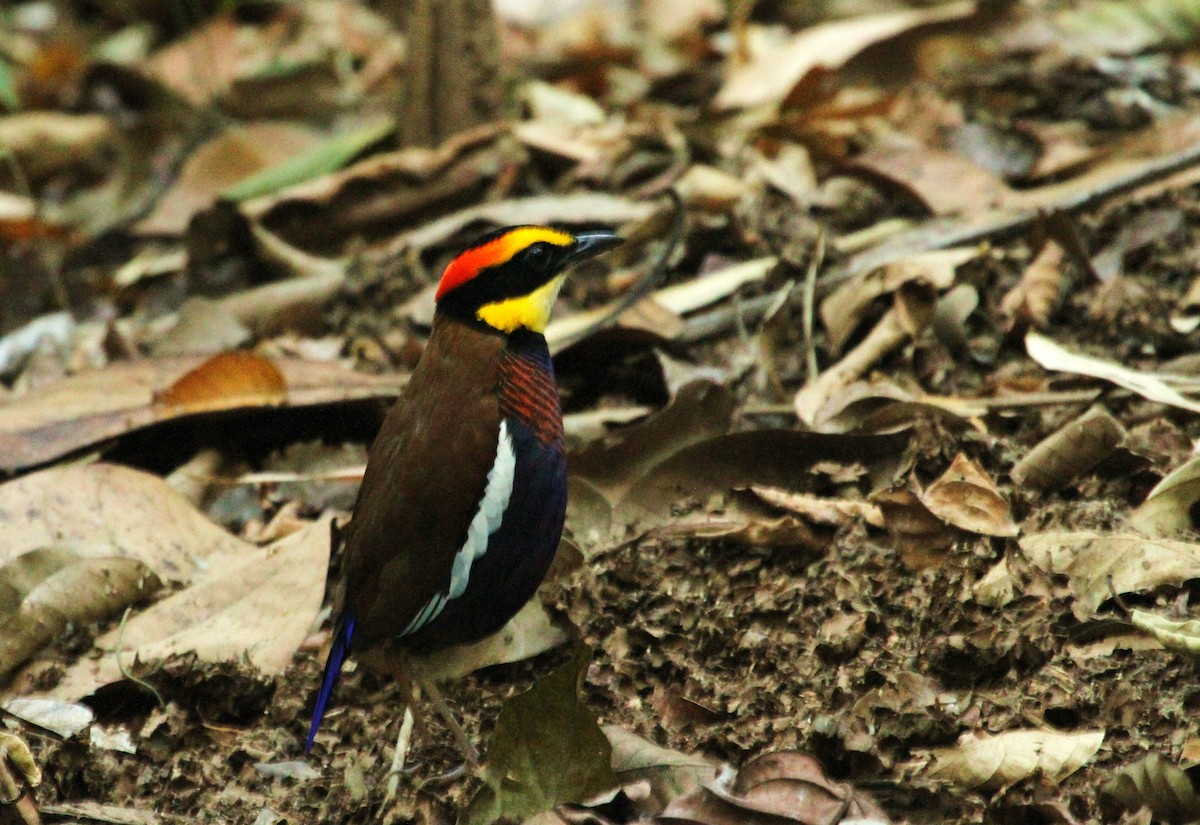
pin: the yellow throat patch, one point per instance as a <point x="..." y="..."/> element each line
<point x="531" y="311"/>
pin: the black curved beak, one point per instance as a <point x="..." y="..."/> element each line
<point x="590" y="244"/>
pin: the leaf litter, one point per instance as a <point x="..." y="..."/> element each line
<point x="878" y="535"/>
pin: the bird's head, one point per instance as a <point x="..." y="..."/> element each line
<point x="509" y="279"/>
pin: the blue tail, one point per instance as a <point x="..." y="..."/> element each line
<point x="333" y="669"/>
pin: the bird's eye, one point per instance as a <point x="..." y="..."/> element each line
<point x="538" y="256"/>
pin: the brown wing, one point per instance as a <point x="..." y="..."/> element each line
<point x="426" y="474"/>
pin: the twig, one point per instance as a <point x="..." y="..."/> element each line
<point x="809" y="296"/>
<point x="121" y="665"/>
<point x="402" y="744"/>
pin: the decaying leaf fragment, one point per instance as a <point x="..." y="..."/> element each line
<point x="834" y="511"/>
<point x="920" y="537"/>
<point x="1099" y="566"/>
<point x="967" y="498"/>
<point x="1158" y="785"/>
<point x="989" y="762"/>
<point x="547" y="749"/>
<point x="669" y="773"/>
<point x="530" y="632"/>
<point x="1179" y="636"/>
<point x="1070" y="451"/>
<point x="775" y="788"/>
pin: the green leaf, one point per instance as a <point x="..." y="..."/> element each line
<point x="547" y="749"/>
<point x="330" y="156"/>
<point x="8" y="87"/>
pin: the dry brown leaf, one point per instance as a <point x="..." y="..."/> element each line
<point x="1038" y="292"/>
<point x="1157" y="784"/>
<point x="966" y="497"/>
<point x="669" y="773"/>
<point x="1148" y="385"/>
<point x="220" y="163"/>
<point x="746" y="529"/>
<point x="226" y="381"/>
<point x="990" y="762"/>
<point x="1179" y="636"/>
<point x="530" y="632"/>
<point x="1167" y="510"/>
<point x="898" y="325"/>
<point x="771" y="76"/>
<point x="834" y="511"/>
<point x="843" y="309"/>
<point x="785" y="786"/>
<point x="1101" y="566"/>
<point x="202" y="327"/>
<point x="47" y="142"/>
<point x="700" y="410"/>
<point x="945" y="183"/>
<point x="921" y="538"/>
<point x="1070" y="451"/>
<point x="78" y="592"/>
<point x="769" y="457"/>
<point x="92" y="406"/>
<point x="253" y="604"/>
<point x="96" y="510"/>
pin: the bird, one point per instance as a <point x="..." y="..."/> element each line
<point x="464" y="495"/>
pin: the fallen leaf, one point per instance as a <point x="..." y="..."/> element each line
<point x="1070" y="451"/>
<point x="671" y="774"/>
<point x="1167" y="511"/>
<point x="1038" y="293"/>
<point x="843" y="309"/>
<point x="610" y="465"/>
<point x="943" y="182"/>
<point x="63" y="718"/>
<point x="1101" y="566"/>
<point x="99" y="510"/>
<point x="547" y="749"/>
<point x="994" y="761"/>
<point x="1157" y="784"/>
<point x="226" y="381"/>
<point x="1148" y="385"/>
<point x="767" y="457"/>
<point x="770" y="77"/>
<point x="529" y="633"/>
<point x="921" y="538"/>
<point x="255" y="604"/>
<point x="95" y="405"/>
<point x="781" y="787"/>
<point x="833" y="511"/>
<point x="1179" y="636"/>
<point x="75" y="593"/>
<point x="967" y="498"/>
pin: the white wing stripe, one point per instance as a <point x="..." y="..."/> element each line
<point x="487" y="521"/>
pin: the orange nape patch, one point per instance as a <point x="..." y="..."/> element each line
<point x="495" y="252"/>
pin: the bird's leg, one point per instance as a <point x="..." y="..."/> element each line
<point x="439" y="703"/>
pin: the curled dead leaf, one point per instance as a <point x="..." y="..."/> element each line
<point x="785" y="786"/>
<point x="1070" y="451"/>
<point x="670" y="774"/>
<point x="966" y="497"/>
<point x="1179" y="636"/>
<point x="990" y="762"/>
<point x="1156" y="783"/>
<point x="226" y="381"/>
<point x="1039" y="291"/>
<point x="78" y="592"/>
<point x="819" y="510"/>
